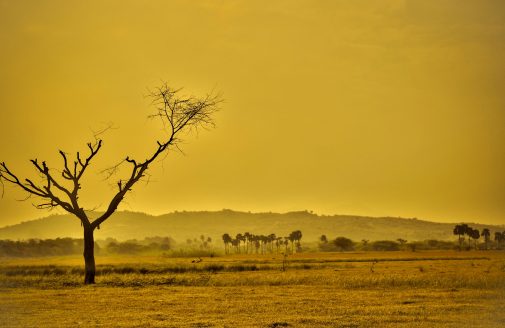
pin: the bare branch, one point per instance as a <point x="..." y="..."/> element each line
<point x="111" y="171"/>
<point x="46" y="191"/>
<point x="178" y="114"/>
<point x="31" y="188"/>
<point x="108" y="126"/>
<point x="93" y="151"/>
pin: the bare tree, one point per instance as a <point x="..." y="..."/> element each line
<point x="178" y="113"/>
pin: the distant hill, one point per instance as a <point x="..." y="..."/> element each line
<point x="183" y="225"/>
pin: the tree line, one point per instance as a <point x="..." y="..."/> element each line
<point x="203" y="243"/>
<point x="42" y="247"/>
<point x="248" y="243"/>
<point x="73" y="246"/>
<point x="134" y="246"/>
<point x="341" y="244"/>
<point x="474" y="235"/>
<point x="461" y="230"/>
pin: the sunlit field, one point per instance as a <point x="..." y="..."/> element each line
<point x="369" y="289"/>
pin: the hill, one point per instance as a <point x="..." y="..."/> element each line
<point x="184" y="225"/>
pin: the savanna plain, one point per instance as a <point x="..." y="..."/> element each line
<point x="341" y="289"/>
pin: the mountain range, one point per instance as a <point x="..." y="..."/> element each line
<point x="184" y="225"/>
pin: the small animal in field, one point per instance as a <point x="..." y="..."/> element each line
<point x="197" y="260"/>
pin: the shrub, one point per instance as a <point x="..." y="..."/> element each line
<point x="343" y="244"/>
<point x="385" y="245"/>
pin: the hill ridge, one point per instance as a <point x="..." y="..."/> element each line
<point x="182" y="225"/>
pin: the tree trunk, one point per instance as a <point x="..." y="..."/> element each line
<point x="89" y="256"/>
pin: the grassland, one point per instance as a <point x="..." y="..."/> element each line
<point x="370" y="289"/>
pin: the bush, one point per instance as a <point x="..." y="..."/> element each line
<point x="343" y="244"/>
<point x="385" y="245"/>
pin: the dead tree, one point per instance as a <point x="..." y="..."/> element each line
<point x="179" y="114"/>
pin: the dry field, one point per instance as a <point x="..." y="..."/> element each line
<point x="386" y="289"/>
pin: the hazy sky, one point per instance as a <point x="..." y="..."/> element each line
<point x="389" y="107"/>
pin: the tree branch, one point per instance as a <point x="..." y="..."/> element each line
<point x="180" y="114"/>
<point x="46" y="192"/>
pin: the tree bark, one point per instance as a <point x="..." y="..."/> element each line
<point x="89" y="256"/>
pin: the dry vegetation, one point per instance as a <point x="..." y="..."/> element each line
<point x="367" y="289"/>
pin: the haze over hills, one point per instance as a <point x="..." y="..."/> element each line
<point x="184" y="225"/>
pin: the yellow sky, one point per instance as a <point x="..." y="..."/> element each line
<point x="390" y="107"/>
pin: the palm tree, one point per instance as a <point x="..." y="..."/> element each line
<point x="498" y="238"/>
<point x="247" y="238"/>
<point x="298" y="235"/>
<point x="295" y="236"/>
<point x="264" y="242"/>
<point x="286" y="243"/>
<point x="239" y="238"/>
<point x="278" y="243"/>
<point x="271" y="238"/>
<point x="460" y="230"/>
<point x="486" y="234"/>
<point x="475" y="234"/>
<point x="256" y="241"/>
<point x="236" y="244"/>
<point x="291" y="239"/>
<point x="227" y="241"/>
<point x="469" y="233"/>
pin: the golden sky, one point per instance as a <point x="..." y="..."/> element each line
<point x="390" y="107"/>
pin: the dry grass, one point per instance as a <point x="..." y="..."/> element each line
<point x="425" y="289"/>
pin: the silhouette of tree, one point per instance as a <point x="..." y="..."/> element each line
<point x="278" y="242"/>
<point x="460" y="231"/>
<point x="486" y="234"/>
<point x="179" y="114"/>
<point x="227" y="241"/>
<point x="286" y="243"/>
<point x="247" y="237"/>
<point x="271" y="238"/>
<point x="343" y="244"/>
<point x="239" y="237"/>
<point x="295" y="236"/>
<point x="323" y="239"/>
<point x="236" y="243"/>
<point x="402" y="242"/>
<point x="264" y="242"/>
<point x="468" y="232"/>
<point x="257" y="244"/>
<point x="498" y="238"/>
<point x="475" y="234"/>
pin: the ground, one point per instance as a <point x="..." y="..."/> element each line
<point x="372" y="289"/>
